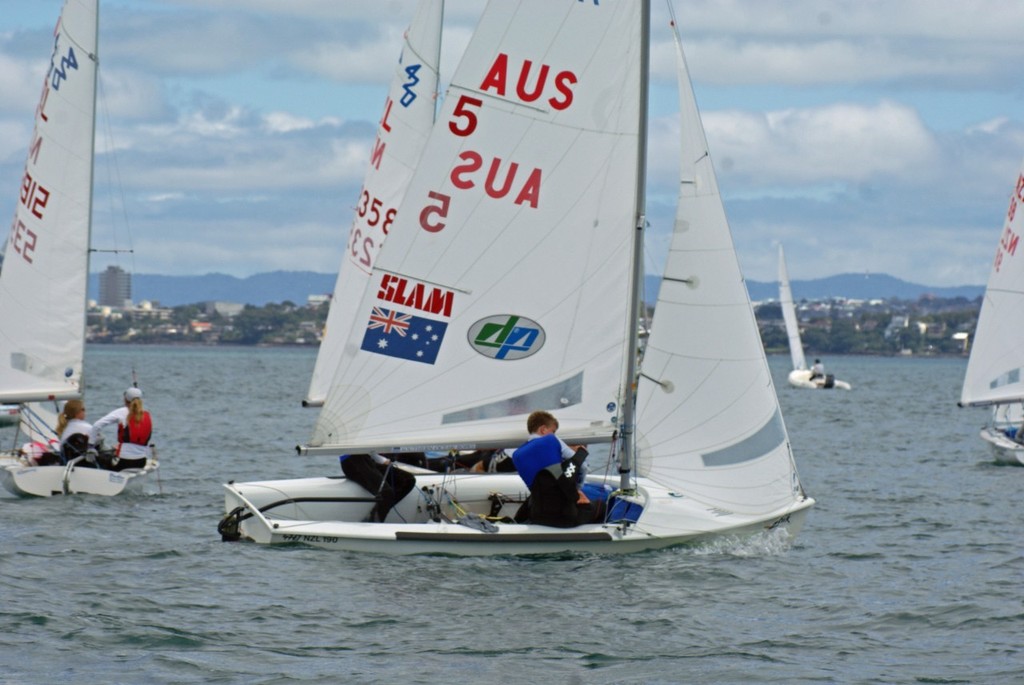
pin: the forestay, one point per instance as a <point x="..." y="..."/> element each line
<point x="401" y="136"/>
<point x="43" y="283"/>
<point x="708" y="417"/>
<point x="994" y="371"/>
<point x="502" y="286"/>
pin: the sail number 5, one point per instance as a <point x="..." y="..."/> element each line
<point x="463" y="123"/>
<point x="439" y="210"/>
<point x="462" y="114"/>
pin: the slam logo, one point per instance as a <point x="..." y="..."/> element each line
<point x="506" y="337"/>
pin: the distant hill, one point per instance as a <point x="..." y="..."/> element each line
<point x="296" y="286"/>
<point x="849" y="286"/>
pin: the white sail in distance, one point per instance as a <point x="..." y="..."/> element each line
<point x="796" y="348"/>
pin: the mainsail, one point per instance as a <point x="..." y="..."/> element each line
<point x="995" y="371"/>
<point x="502" y="286"/>
<point x="401" y="135"/>
<point x="708" y="419"/>
<point x="43" y="284"/>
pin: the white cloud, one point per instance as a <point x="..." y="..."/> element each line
<point x="843" y="142"/>
<point x="20" y="83"/>
<point x="132" y="95"/>
<point x="285" y="122"/>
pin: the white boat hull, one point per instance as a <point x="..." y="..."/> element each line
<point x="801" y="378"/>
<point x="46" y="481"/>
<point x="320" y="512"/>
<point x="1004" y="449"/>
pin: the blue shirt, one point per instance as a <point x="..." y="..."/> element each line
<point x="536" y="455"/>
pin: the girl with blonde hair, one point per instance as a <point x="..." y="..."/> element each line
<point x="73" y="429"/>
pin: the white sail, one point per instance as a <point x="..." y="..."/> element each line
<point x="401" y="135"/>
<point x="708" y="418"/>
<point x="43" y="282"/>
<point x="796" y="348"/>
<point x="500" y="289"/>
<point x="995" y="371"/>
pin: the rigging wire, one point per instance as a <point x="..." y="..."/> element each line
<point x="114" y="183"/>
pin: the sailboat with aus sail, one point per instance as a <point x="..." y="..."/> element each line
<point x="510" y="282"/>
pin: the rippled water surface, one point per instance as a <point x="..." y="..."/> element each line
<point x="908" y="569"/>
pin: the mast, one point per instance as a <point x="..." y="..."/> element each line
<point x="436" y="95"/>
<point x="628" y="402"/>
<point x="95" y="57"/>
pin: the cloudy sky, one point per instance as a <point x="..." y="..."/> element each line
<point x="877" y="136"/>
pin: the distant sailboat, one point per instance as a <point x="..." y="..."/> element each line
<point x="43" y="284"/>
<point x="510" y="283"/>
<point x="800" y="376"/>
<point x="995" y="370"/>
<point x="10" y="414"/>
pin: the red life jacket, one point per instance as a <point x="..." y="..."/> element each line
<point x="137" y="433"/>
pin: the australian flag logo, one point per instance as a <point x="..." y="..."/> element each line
<point x="405" y="336"/>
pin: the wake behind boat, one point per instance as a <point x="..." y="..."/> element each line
<point x="995" y="369"/>
<point x="43" y="283"/>
<point x="801" y="376"/>
<point x="509" y="282"/>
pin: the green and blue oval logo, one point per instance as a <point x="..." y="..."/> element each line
<point x="506" y="337"/>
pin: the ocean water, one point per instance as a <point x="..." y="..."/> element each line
<point x="908" y="570"/>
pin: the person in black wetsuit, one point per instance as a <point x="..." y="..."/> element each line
<point x="381" y="478"/>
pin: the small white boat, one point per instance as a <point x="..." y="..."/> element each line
<point x="995" y="369"/>
<point x="44" y="280"/>
<point x="73" y="478"/>
<point x="800" y="376"/>
<point x="505" y="291"/>
<point x="1005" y="449"/>
<point x="1003" y="433"/>
<point x="10" y="414"/>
